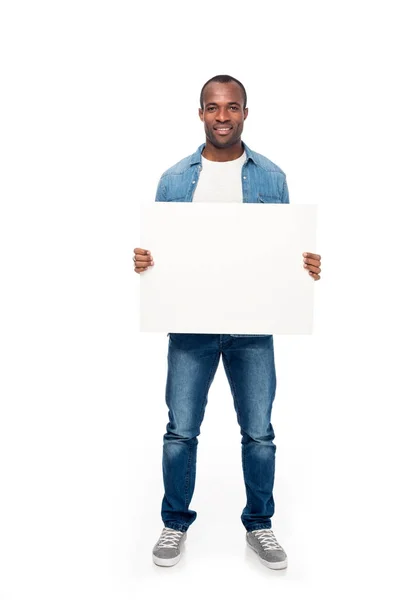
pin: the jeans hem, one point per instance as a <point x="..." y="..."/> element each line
<point x="176" y="526"/>
<point x="255" y="527"/>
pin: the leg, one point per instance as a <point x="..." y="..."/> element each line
<point x="192" y="362"/>
<point x="250" y="368"/>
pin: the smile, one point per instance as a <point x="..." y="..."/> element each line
<point x="222" y="130"/>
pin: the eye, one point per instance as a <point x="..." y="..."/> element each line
<point x="210" y="108"/>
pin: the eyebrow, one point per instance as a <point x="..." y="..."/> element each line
<point x="216" y="104"/>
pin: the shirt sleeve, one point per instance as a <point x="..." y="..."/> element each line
<point x="160" y="193"/>
<point x="285" y="193"/>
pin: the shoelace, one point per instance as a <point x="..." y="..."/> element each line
<point x="267" y="539"/>
<point x="169" y="538"/>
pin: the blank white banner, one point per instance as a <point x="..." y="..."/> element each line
<point x="227" y="268"/>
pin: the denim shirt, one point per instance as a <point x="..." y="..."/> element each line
<point x="262" y="181"/>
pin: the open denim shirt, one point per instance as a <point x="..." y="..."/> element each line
<point x="262" y="181"/>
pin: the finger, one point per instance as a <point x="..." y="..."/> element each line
<point x="311" y="255"/>
<point x="315" y="277"/>
<point x="143" y="258"/>
<point x="141" y="251"/>
<point x="310" y="261"/>
<point x="312" y="269"/>
<point x="143" y="264"/>
<point x="137" y="270"/>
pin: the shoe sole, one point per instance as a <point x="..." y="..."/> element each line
<point x="166" y="562"/>
<point x="272" y="565"/>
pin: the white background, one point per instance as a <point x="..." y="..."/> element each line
<point x="98" y="99"/>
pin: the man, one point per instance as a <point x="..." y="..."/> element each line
<point x="223" y="169"/>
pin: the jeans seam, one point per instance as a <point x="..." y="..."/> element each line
<point x="187" y="477"/>
<point x="244" y="477"/>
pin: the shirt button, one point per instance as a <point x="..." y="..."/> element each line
<point x="244" y="177"/>
<point x="193" y="182"/>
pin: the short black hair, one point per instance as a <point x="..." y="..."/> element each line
<point x="222" y="79"/>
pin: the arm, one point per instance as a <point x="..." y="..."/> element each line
<point x="311" y="262"/>
<point x="142" y="258"/>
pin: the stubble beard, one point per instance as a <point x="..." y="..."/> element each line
<point x="220" y="143"/>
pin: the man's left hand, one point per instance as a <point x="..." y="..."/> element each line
<point x="312" y="262"/>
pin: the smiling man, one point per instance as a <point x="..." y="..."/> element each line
<point x="224" y="169"/>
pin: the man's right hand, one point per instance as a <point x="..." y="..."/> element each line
<point x="142" y="260"/>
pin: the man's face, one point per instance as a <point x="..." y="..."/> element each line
<point x="223" y="113"/>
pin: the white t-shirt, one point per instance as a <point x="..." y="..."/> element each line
<point x="220" y="181"/>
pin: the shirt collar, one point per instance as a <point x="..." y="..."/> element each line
<point x="195" y="159"/>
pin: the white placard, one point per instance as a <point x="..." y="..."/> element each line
<point x="227" y="268"/>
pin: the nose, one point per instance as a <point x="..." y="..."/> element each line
<point x="222" y="115"/>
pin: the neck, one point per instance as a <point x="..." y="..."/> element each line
<point x="211" y="152"/>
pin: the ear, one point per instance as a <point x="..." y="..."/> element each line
<point x="246" y="112"/>
<point x="201" y="114"/>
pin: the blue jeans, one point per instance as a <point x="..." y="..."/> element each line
<point x="249" y="365"/>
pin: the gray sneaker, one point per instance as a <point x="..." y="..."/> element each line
<point x="167" y="551"/>
<point x="269" y="551"/>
